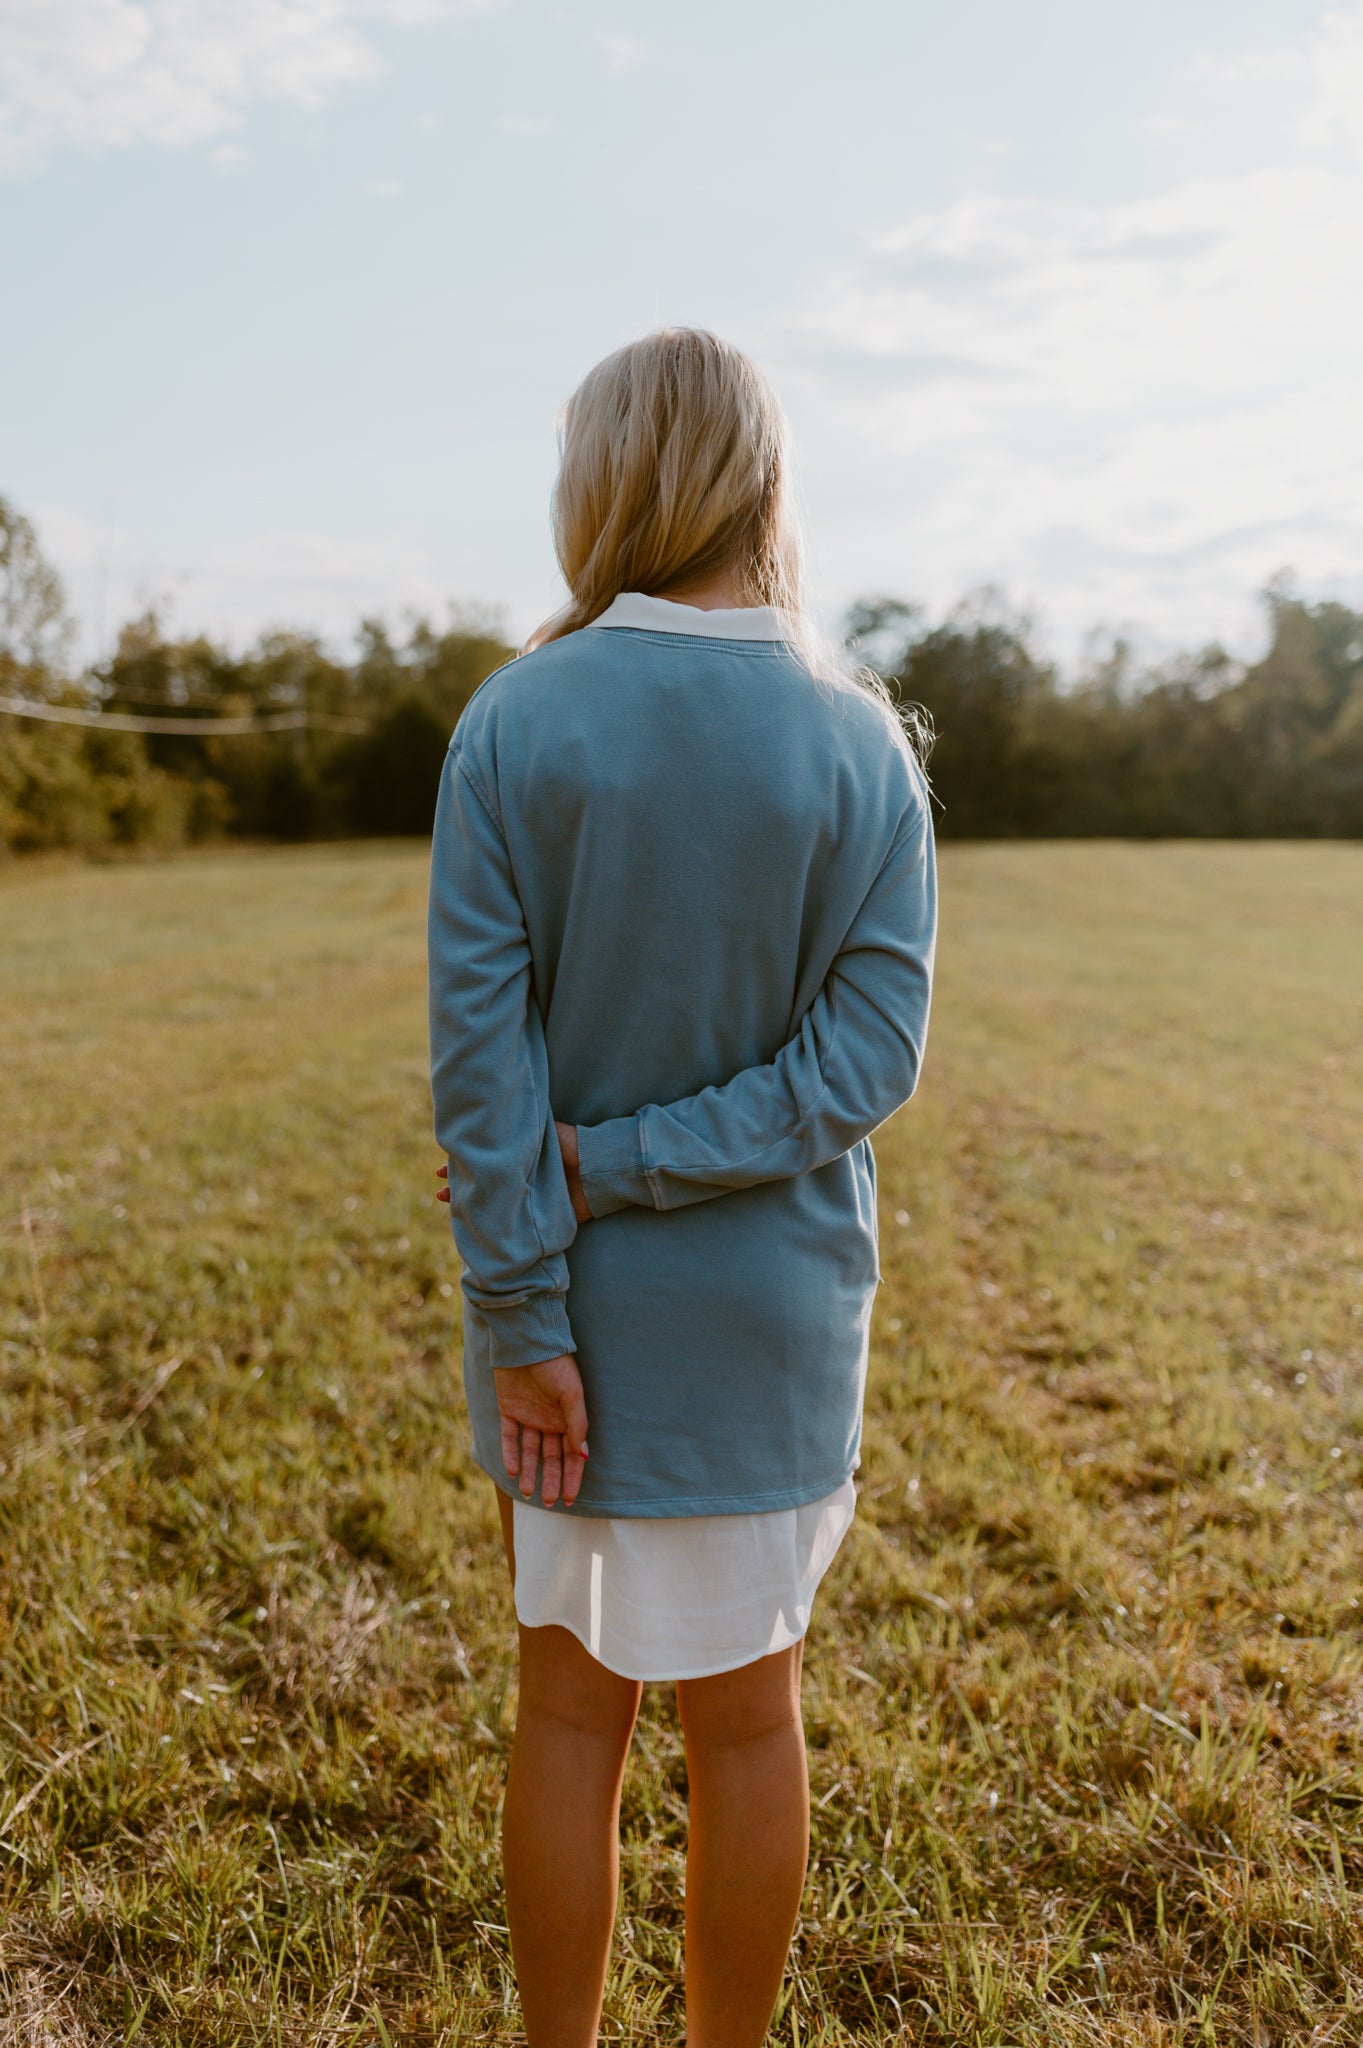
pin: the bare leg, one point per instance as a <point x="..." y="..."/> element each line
<point x="749" y="1845"/>
<point x="561" y="1828"/>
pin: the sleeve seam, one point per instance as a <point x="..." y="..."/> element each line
<point x="902" y="836"/>
<point x="475" y="783"/>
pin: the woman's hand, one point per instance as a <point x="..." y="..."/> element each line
<point x="567" y="1145"/>
<point x="544" y="1413"/>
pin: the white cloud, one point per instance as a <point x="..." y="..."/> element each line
<point x="99" y="74"/>
<point x="1335" y="112"/>
<point x="622" y="53"/>
<point x="1324" y="72"/>
<point x="1137" y="410"/>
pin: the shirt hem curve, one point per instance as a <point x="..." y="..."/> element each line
<point x="671" y="1677"/>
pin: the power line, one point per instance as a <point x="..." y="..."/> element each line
<point x="196" y="728"/>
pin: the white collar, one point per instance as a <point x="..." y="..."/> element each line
<point x="664" y="615"/>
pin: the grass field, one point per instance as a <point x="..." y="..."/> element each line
<point x="1083" y="1686"/>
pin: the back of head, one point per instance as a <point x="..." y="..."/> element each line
<point x="675" y="470"/>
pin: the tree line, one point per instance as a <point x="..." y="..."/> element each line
<point x="1195" y="746"/>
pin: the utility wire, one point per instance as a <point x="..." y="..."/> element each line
<point x="200" y="728"/>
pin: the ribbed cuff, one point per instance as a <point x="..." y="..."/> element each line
<point x="532" y="1330"/>
<point x="610" y="1159"/>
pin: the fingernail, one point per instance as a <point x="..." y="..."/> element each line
<point x="584" y="1450"/>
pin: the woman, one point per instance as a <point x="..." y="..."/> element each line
<point x="682" y="920"/>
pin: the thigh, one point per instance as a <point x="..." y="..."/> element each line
<point x="561" y="1681"/>
<point x="744" y="1704"/>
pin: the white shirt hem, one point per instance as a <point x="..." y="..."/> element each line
<point x="682" y="1597"/>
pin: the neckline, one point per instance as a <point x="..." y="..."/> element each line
<point x="632" y="608"/>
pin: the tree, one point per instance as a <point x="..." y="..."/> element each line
<point x="1299" y="714"/>
<point x="390" y="778"/>
<point x="980" y="682"/>
<point x="35" y="631"/>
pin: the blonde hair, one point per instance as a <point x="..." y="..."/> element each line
<point x="675" y="465"/>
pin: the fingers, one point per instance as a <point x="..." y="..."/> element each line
<point x="442" y="1173"/>
<point x="574" y="1438"/>
<point x="573" y="1402"/>
<point x="573" y="1468"/>
<point x="552" y="1452"/>
<point x="567" y="1144"/>
<point x="544" y="1416"/>
<point x="530" y="1458"/>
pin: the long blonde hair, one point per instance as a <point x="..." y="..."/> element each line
<point x="675" y="465"/>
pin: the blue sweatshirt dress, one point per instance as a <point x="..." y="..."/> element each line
<point x="682" y="896"/>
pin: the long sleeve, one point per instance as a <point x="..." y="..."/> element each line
<point x="510" y="1208"/>
<point x="853" y="1061"/>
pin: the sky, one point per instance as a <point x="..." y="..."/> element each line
<point x="1062" y="298"/>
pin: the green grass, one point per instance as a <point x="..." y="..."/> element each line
<point x="1083" y="1686"/>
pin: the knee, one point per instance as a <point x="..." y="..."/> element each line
<point x="595" y="1724"/>
<point x="718" y="1716"/>
<point x="711" y="1735"/>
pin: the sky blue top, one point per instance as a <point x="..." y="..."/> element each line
<point x="684" y="897"/>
